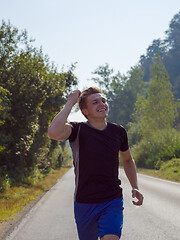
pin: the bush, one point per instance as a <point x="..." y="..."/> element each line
<point x="173" y="165"/>
<point x="56" y="156"/>
<point x="33" y="176"/>
<point x="5" y="181"/>
<point x="160" y="147"/>
<point x="134" y="133"/>
<point x="171" y="169"/>
<point x="59" y="154"/>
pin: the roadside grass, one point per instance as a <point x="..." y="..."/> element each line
<point x="167" y="174"/>
<point x="14" y="199"/>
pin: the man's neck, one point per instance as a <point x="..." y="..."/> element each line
<point x="100" y="125"/>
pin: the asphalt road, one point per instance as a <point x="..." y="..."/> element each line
<point x="158" y="219"/>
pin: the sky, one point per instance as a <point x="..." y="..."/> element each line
<point x="92" y="32"/>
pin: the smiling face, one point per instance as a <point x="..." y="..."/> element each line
<point x="96" y="106"/>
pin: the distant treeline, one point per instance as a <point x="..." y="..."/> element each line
<point x="146" y="100"/>
<point x="32" y="91"/>
<point x="169" y="50"/>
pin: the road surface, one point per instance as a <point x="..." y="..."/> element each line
<point x="158" y="219"/>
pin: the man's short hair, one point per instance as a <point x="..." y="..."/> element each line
<point x="87" y="92"/>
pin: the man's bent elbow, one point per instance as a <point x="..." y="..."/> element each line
<point x="58" y="137"/>
<point x="52" y="134"/>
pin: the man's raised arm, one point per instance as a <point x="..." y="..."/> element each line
<point x="59" y="129"/>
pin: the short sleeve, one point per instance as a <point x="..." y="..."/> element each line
<point x="74" y="132"/>
<point x="124" y="142"/>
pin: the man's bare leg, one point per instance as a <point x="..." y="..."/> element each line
<point x="110" y="237"/>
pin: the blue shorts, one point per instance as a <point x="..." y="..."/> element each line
<point x="99" y="219"/>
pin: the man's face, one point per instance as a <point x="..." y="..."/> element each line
<point x="96" y="106"/>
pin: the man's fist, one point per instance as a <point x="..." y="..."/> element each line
<point x="139" y="196"/>
<point x="73" y="96"/>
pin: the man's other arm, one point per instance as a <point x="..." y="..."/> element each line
<point x="130" y="170"/>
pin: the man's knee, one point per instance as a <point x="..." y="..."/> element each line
<point x="110" y="237"/>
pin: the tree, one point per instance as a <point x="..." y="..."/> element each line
<point x="4" y="115"/>
<point x="169" y="50"/>
<point x="36" y="93"/>
<point x="4" y="105"/>
<point x="158" y="110"/>
<point x="120" y="90"/>
<point x="173" y="33"/>
<point x="151" y="133"/>
<point x="112" y="86"/>
<point x="172" y="58"/>
<point x="146" y="61"/>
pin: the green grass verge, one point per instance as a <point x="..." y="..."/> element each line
<point x="169" y="171"/>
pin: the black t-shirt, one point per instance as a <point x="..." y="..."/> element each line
<point x="96" y="162"/>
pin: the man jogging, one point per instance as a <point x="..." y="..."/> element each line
<point x="96" y="144"/>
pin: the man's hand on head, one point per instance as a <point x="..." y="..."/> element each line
<point x="73" y="97"/>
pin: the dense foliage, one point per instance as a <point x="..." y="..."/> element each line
<point x="146" y="100"/>
<point x="32" y="91"/>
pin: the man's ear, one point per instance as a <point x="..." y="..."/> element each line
<point x="85" y="111"/>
